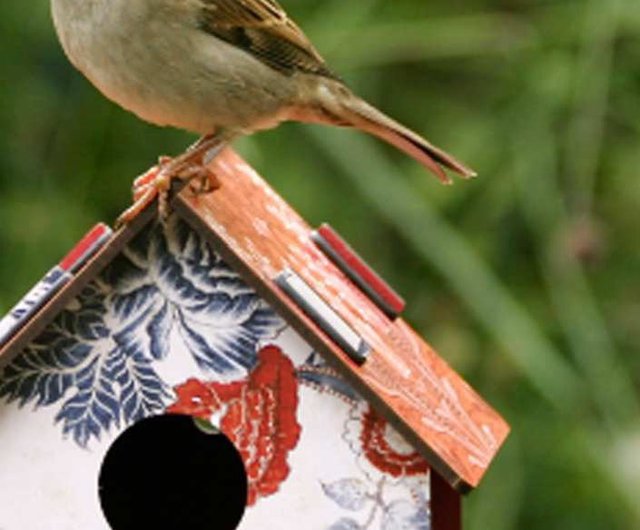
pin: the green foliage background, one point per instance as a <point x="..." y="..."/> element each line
<point x="526" y="279"/>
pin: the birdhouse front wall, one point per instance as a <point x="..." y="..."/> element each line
<point x="169" y="327"/>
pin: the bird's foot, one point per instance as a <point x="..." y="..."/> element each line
<point x="156" y="183"/>
<point x="202" y="180"/>
<point x="145" y="188"/>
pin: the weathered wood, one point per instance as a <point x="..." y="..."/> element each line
<point x="446" y="505"/>
<point x="427" y="401"/>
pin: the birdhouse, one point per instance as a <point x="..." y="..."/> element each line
<point x="229" y="367"/>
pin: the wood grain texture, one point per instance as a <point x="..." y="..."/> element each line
<point x="404" y="378"/>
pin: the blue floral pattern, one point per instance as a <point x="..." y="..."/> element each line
<point x="98" y="367"/>
<point x="96" y="360"/>
<point x="371" y="497"/>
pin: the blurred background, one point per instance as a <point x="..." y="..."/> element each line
<point x="526" y="279"/>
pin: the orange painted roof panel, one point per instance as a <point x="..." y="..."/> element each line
<point x="425" y="399"/>
<point x="260" y="235"/>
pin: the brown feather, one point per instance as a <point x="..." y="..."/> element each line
<point x="263" y="29"/>
<point x="375" y="122"/>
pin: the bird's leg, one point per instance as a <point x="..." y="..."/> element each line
<point x="189" y="166"/>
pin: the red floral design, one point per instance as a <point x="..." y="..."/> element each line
<point x="258" y="415"/>
<point x="386" y="450"/>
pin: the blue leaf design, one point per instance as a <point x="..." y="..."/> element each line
<point x="41" y="374"/>
<point x="345" y="523"/>
<point x="403" y="515"/>
<point x="349" y="493"/>
<point x="97" y="357"/>
<point x="220" y="319"/>
<point x="47" y="369"/>
<point x="130" y="303"/>
<point x="94" y="407"/>
<point x="158" y="330"/>
<point x="142" y="391"/>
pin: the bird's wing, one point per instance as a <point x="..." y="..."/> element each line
<point x="263" y="29"/>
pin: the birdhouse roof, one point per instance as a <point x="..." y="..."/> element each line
<point x="334" y="301"/>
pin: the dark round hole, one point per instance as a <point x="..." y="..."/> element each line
<point x="167" y="473"/>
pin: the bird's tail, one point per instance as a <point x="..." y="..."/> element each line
<point x="355" y="112"/>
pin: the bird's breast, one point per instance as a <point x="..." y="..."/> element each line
<point x="148" y="57"/>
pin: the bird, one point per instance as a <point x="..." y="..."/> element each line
<point x="221" y="69"/>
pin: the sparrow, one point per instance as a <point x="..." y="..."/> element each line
<point x="219" y="68"/>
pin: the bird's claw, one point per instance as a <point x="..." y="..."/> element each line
<point x="157" y="182"/>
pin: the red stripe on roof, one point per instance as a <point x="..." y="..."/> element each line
<point x="86" y="247"/>
<point x="394" y="304"/>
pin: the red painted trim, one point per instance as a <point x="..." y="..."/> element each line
<point x="392" y="302"/>
<point x="86" y="247"/>
<point x="446" y="505"/>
